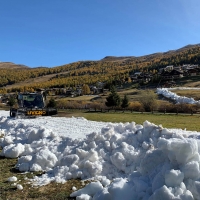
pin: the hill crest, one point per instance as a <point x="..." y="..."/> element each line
<point x="11" y="65"/>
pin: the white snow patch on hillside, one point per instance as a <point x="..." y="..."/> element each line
<point x="173" y="96"/>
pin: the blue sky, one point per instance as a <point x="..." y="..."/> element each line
<point x="56" y="32"/>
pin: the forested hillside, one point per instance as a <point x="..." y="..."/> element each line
<point x="89" y="72"/>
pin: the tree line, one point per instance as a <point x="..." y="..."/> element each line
<point x="147" y="102"/>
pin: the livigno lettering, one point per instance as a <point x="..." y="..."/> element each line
<point x="36" y="112"/>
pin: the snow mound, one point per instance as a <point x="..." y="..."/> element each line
<point x="126" y="160"/>
<point x="173" y="96"/>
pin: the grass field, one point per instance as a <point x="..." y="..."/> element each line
<point x="183" y="121"/>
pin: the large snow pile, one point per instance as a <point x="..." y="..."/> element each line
<point x="127" y="161"/>
<point x="178" y="99"/>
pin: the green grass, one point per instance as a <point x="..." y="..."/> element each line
<point x="190" y="122"/>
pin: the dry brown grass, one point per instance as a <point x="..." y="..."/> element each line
<point x="52" y="191"/>
<point x="193" y="84"/>
<point x="9" y="65"/>
<point x="188" y="93"/>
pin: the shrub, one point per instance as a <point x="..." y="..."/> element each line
<point x="61" y="103"/>
<point x="135" y="106"/>
<point x="96" y="106"/>
<point x="148" y="99"/>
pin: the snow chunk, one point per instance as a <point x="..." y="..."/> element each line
<point x="180" y="151"/>
<point x="84" y="197"/>
<point x="169" y="193"/>
<point x="12" y="179"/>
<point x="91" y="189"/>
<point x="191" y="170"/>
<point x="74" y="188"/>
<point x="13" y="150"/>
<point x="173" y="178"/>
<point x="43" y="160"/>
<point x="119" y="189"/>
<point x="118" y="160"/>
<point x="19" y="187"/>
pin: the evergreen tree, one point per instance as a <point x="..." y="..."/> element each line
<point x="52" y="103"/>
<point x="125" y="102"/>
<point x="11" y="101"/>
<point x="113" y="98"/>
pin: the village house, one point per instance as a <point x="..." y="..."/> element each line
<point x="174" y="74"/>
<point x="169" y="68"/>
<point x="192" y="72"/>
